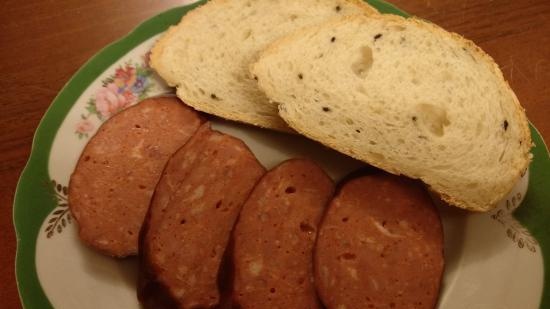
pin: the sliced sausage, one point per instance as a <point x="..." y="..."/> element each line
<point x="275" y="235"/>
<point x="190" y="220"/>
<point x="111" y="187"/>
<point x="380" y="246"/>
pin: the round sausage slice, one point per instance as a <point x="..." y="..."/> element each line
<point x="275" y="235"/>
<point x="114" y="179"/>
<point x="190" y="220"/>
<point x="380" y="246"/>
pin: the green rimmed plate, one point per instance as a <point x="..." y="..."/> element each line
<point x="494" y="260"/>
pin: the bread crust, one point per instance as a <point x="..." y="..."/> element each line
<point x="488" y="202"/>
<point x="260" y="114"/>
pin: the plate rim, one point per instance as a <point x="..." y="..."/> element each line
<point x="27" y="226"/>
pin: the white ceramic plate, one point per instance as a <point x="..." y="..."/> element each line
<point x="492" y="260"/>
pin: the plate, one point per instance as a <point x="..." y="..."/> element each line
<point x="493" y="260"/>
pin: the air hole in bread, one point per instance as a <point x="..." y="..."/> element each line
<point x="377" y="110"/>
<point x="502" y="155"/>
<point x="446" y="76"/>
<point x="247" y="34"/>
<point x="433" y="118"/>
<point x="362" y="65"/>
<point x="361" y="89"/>
<point x="293" y="17"/>
<point x="267" y="114"/>
<point x="290" y="190"/>
<point x="378" y="36"/>
<point x="377" y="156"/>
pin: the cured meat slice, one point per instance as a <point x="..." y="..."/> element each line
<point x="380" y="246"/>
<point x="111" y="187"/>
<point x="275" y="236"/>
<point x="190" y="220"/>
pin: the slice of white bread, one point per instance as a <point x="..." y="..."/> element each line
<point x="406" y="96"/>
<point x="208" y="54"/>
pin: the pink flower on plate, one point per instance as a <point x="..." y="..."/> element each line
<point x="84" y="126"/>
<point x="125" y="77"/>
<point x="129" y="96"/>
<point x="108" y="100"/>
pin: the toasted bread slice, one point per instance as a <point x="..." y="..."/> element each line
<point x="406" y="96"/>
<point x="207" y="56"/>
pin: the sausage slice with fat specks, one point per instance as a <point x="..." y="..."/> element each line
<point x="275" y="236"/>
<point x="380" y="246"/>
<point x="190" y="220"/>
<point x="111" y="187"/>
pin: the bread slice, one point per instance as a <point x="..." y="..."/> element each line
<point x="207" y="56"/>
<point x="406" y="96"/>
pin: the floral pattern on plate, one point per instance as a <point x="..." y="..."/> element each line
<point x="129" y="84"/>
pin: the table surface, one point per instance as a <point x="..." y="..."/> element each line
<point x="44" y="42"/>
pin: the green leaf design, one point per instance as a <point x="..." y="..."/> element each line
<point x="92" y="110"/>
<point x="107" y="81"/>
<point x="60" y="216"/>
